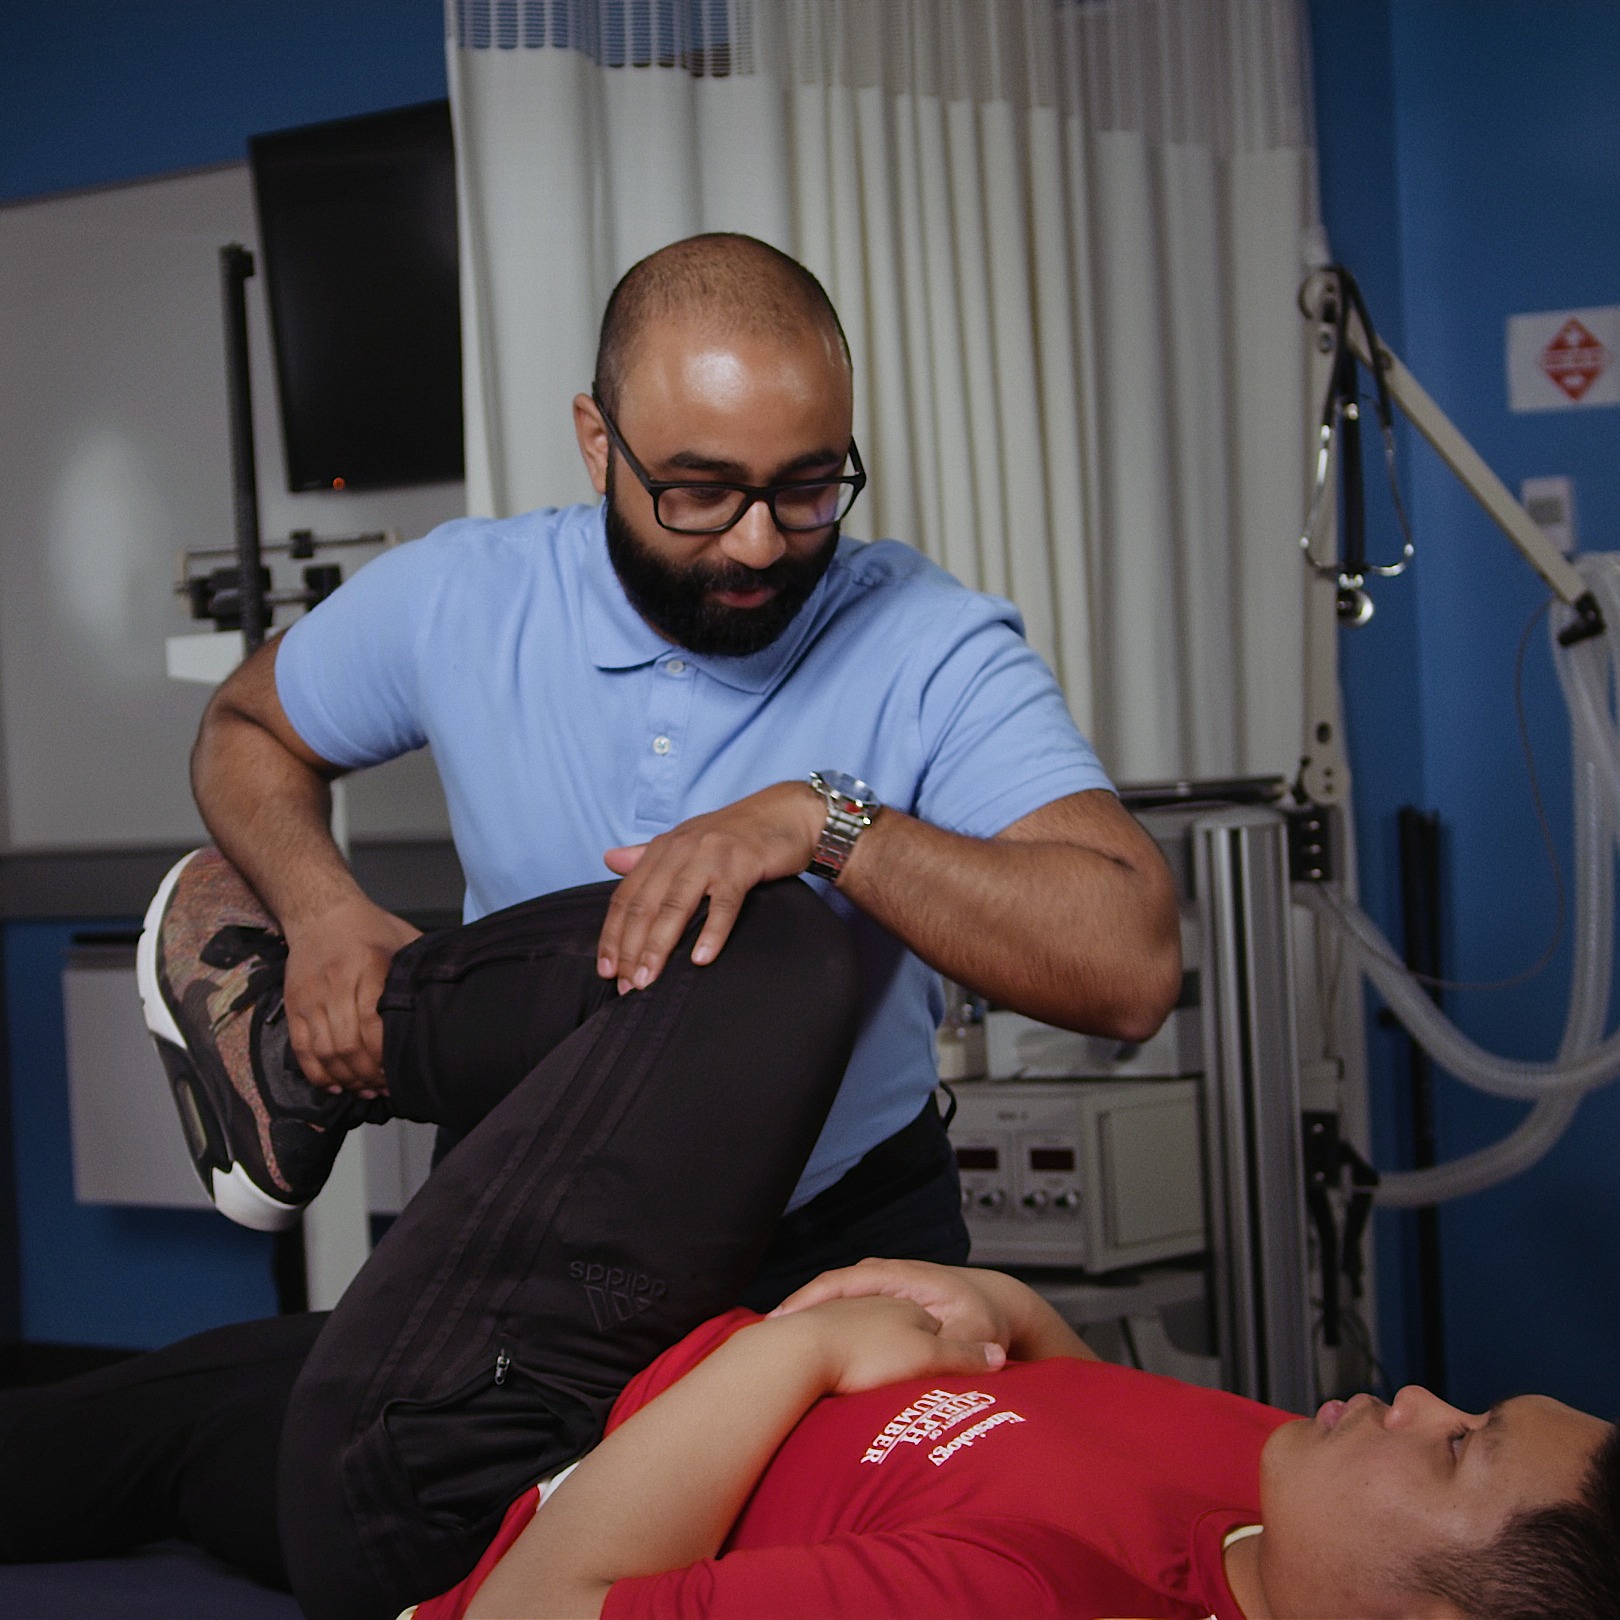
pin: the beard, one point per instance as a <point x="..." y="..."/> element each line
<point x="677" y="602"/>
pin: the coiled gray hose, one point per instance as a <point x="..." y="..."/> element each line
<point x="1589" y="672"/>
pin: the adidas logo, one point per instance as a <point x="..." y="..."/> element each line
<point x="616" y="1293"/>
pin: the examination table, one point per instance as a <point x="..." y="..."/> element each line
<point x="169" y="1581"/>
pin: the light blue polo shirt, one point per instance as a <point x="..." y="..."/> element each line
<point x="562" y="726"/>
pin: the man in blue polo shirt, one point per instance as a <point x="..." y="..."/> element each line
<point x="702" y="686"/>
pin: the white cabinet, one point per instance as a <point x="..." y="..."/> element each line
<point x="127" y="1143"/>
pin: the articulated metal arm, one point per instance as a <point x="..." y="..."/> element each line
<point x="1476" y="477"/>
<point x="1324" y="772"/>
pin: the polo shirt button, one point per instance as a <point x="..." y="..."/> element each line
<point x="676" y="666"/>
<point x="660" y="745"/>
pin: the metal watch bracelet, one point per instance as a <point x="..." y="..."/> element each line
<point x="851" y="809"/>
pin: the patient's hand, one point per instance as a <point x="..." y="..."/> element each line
<point x="969" y="1304"/>
<point x="873" y="1341"/>
<point x="958" y="1299"/>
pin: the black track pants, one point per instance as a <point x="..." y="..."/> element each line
<point x="635" y="1157"/>
<point x="622" y="1193"/>
<point x="181" y="1442"/>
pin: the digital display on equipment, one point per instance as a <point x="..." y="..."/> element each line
<point x="980" y="1158"/>
<point x="1051" y="1158"/>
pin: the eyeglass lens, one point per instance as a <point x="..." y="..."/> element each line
<point x="699" y="508"/>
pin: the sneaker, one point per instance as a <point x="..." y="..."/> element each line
<point x="210" y="964"/>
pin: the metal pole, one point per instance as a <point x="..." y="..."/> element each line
<point x="235" y="266"/>
<point x="1254" y="1175"/>
<point x="1420" y="911"/>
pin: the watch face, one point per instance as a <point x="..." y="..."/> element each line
<point x="851" y="787"/>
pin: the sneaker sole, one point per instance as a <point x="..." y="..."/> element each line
<point x="231" y="1190"/>
<point x="156" y="1010"/>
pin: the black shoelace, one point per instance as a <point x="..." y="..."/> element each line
<point x="239" y="943"/>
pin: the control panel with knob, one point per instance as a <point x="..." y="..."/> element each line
<point x="1093" y="1174"/>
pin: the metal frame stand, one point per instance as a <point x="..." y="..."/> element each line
<point x="337" y="1225"/>
<point x="1255" y="1186"/>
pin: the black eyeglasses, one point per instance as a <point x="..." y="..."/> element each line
<point x="797" y="506"/>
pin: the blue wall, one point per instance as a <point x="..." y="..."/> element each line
<point x="104" y="90"/>
<point x="1471" y="170"/>
<point x="94" y="92"/>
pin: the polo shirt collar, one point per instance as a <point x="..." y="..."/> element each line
<point x="617" y="637"/>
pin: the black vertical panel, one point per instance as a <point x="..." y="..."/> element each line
<point x="235" y="266"/>
<point x="10" y="1270"/>
<point x="289" y="1271"/>
<point x="1420" y="912"/>
<point x="357" y="222"/>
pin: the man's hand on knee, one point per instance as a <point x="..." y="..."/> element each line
<point x="337" y="964"/>
<point x="718" y="857"/>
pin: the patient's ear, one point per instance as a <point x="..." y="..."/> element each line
<point x="593" y="440"/>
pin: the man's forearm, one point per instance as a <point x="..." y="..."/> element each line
<point x="271" y="815"/>
<point x="1061" y="932"/>
<point x="1069" y="914"/>
<point x="265" y="797"/>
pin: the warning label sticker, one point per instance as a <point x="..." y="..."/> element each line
<point x="1564" y="359"/>
<point x="1574" y="359"/>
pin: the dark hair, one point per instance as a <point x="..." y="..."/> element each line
<point x="736" y="282"/>
<point x="1557" y="1563"/>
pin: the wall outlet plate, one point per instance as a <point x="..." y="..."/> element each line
<point x="1551" y="505"/>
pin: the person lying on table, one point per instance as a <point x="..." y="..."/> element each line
<point x="900" y="1440"/>
<point x="906" y="1439"/>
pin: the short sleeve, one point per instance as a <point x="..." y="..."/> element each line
<point x="347" y="673"/>
<point x="957" y="1569"/>
<point x="996" y="735"/>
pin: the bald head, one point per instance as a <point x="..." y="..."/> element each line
<point x="722" y="285"/>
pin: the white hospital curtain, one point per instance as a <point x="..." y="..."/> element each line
<point x="1064" y="239"/>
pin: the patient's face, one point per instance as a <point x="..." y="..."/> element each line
<point x="1365" y="1491"/>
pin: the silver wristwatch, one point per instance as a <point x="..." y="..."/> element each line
<point x="851" y="809"/>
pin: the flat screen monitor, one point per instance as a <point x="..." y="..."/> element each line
<point x="357" y="223"/>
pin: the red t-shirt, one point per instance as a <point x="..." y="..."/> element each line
<point x="1051" y="1488"/>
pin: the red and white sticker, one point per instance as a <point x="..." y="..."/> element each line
<point x="1564" y="359"/>
<point x="1574" y="358"/>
